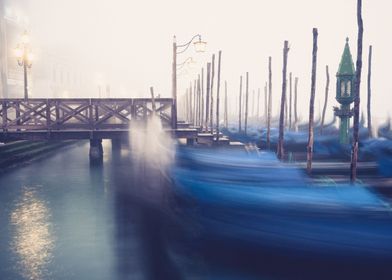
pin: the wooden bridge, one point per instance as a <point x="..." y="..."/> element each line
<point x="82" y="118"/>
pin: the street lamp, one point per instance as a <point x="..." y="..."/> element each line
<point x="200" y="46"/>
<point x="187" y="62"/>
<point x="25" y="59"/>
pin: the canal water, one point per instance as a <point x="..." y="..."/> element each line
<point x="148" y="212"/>
<point x="62" y="218"/>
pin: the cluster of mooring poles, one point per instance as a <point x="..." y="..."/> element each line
<point x="202" y="99"/>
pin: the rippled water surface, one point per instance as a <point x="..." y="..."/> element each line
<point x="192" y="214"/>
<point x="61" y="218"/>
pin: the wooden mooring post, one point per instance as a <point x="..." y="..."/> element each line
<point x="202" y="100"/>
<point x="212" y="94"/>
<point x="240" y="107"/>
<point x="268" y="141"/>
<point x="246" y="103"/>
<point x="290" y="99"/>
<point x="217" y="96"/>
<point x="357" y="90"/>
<point x="226" y="107"/>
<point x="207" y="96"/>
<point x="265" y="104"/>
<point x="295" y="104"/>
<point x="369" y="93"/>
<point x="311" y="105"/>
<point x="154" y="107"/>
<point x="280" y="149"/>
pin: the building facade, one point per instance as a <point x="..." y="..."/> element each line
<point x="54" y="73"/>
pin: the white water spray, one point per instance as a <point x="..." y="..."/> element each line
<point x="152" y="151"/>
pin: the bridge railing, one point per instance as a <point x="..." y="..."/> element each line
<point x="80" y="113"/>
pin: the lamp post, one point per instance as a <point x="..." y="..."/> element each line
<point x="25" y="59"/>
<point x="200" y="46"/>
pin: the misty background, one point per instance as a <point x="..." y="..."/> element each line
<point x="129" y="43"/>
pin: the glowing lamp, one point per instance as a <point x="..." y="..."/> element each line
<point x="200" y="46"/>
<point x="18" y="52"/>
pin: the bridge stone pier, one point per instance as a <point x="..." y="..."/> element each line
<point x="92" y="119"/>
<point x="96" y="150"/>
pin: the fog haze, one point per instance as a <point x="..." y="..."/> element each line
<point x="130" y="42"/>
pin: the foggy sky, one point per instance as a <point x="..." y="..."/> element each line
<point x="130" y="41"/>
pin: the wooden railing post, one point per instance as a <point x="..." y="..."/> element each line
<point x="90" y="113"/>
<point x="57" y="109"/>
<point x="172" y="116"/>
<point x="5" y="105"/>
<point x="133" y="110"/>
<point x="48" y="120"/>
<point x="17" y="113"/>
<point x="96" y="117"/>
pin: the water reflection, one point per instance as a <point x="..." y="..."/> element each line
<point x="141" y="205"/>
<point x="33" y="240"/>
<point x="152" y="155"/>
